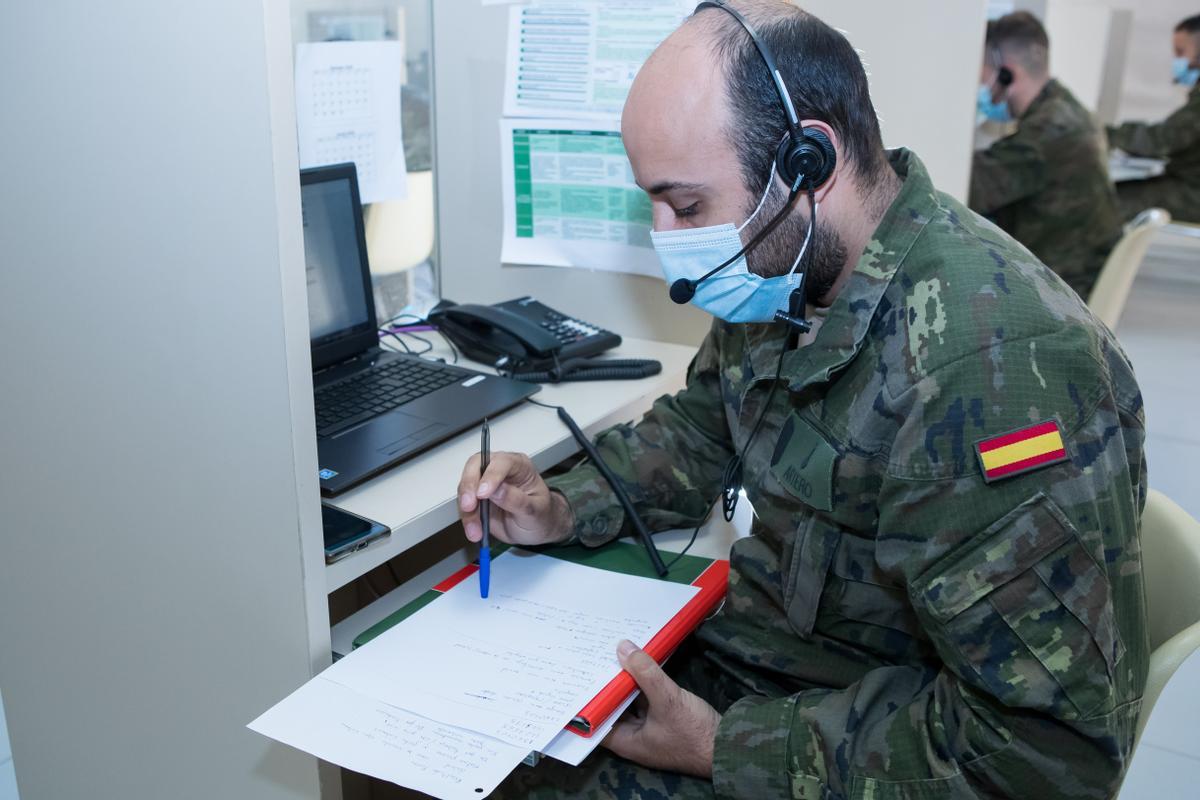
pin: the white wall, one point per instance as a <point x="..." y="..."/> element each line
<point x="922" y="58"/>
<point x="1079" y="37"/>
<point x="1146" y="89"/>
<point x="155" y="488"/>
<point x="912" y="87"/>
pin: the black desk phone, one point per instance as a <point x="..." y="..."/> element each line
<point x="530" y="341"/>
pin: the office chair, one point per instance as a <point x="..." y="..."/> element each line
<point x="400" y="232"/>
<point x="1108" y="296"/>
<point x="1171" y="569"/>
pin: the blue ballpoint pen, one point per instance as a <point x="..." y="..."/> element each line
<point x="485" y="513"/>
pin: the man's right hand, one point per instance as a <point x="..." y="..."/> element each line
<point x="524" y="510"/>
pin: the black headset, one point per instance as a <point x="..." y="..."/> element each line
<point x="805" y="158"/>
<point x="1004" y="75"/>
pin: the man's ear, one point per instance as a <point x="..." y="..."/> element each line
<point x="831" y="135"/>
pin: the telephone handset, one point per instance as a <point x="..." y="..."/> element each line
<point x="534" y="342"/>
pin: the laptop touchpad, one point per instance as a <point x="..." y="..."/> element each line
<point x="418" y="433"/>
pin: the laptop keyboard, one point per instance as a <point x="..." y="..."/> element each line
<point x="375" y="391"/>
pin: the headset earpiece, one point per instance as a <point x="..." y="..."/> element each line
<point x="1004" y="77"/>
<point x="813" y="157"/>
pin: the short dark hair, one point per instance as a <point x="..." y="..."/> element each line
<point x="1022" y="35"/>
<point x="824" y="76"/>
<point x="1189" y="25"/>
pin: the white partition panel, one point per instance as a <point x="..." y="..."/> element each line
<point x="159" y="498"/>
<point x="923" y="59"/>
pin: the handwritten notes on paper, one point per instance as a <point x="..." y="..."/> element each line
<point x="519" y="665"/>
<point x="452" y="698"/>
<point x="364" y="735"/>
<point x="348" y="109"/>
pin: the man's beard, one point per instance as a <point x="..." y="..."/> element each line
<point x="776" y="253"/>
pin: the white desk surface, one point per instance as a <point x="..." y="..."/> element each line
<point x="1167" y="760"/>
<point x="418" y="498"/>
<point x="1122" y="167"/>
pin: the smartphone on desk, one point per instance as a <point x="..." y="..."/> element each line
<point x="347" y="533"/>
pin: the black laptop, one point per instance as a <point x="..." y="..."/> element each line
<point x="374" y="407"/>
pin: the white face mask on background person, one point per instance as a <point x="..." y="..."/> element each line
<point x="734" y="294"/>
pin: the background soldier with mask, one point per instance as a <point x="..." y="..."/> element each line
<point x="942" y="595"/>
<point x="1047" y="184"/>
<point x="1176" y="139"/>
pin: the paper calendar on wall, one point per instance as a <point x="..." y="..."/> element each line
<point x="348" y="109"/>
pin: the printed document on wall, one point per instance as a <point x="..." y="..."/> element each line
<point x="570" y="199"/>
<point x="578" y="59"/>
<point x="348" y="109"/>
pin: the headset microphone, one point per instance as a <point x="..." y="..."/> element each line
<point x="683" y="290"/>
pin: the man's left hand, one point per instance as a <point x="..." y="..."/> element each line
<point x="669" y="728"/>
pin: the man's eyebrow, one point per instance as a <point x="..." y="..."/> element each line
<point x="667" y="186"/>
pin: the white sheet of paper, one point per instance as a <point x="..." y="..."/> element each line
<point x="572" y="748"/>
<point x="360" y="733"/>
<point x="519" y="665"/>
<point x="348" y="109"/>
<point x="570" y="199"/>
<point x="578" y="59"/>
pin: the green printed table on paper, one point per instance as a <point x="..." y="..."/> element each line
<point x="565" y="179"/>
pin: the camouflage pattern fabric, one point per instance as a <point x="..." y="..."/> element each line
<point x="1047" y="185"/>
<point x="896" y="626"/>
<point x="1176" y="139"/>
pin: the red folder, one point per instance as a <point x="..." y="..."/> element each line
<point x="712" y="582"/>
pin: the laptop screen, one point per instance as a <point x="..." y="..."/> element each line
<point x="339" y="303"/>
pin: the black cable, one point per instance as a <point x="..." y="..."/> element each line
<point x="543" y="405"/>
<point x="449" y="343"/>
<point x="589" y="369"/>
<point x="731" y="479"/>
<point x="428" y="344"/>
<point x="403" y="343"/>
<point x="423" y="321"/>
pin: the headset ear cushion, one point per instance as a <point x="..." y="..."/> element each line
<point x="813" y="156"/>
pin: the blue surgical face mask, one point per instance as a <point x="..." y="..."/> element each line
<point x="1184" y="72"/>
<point x="734" y="294"/>
<point x="996" y="111"/>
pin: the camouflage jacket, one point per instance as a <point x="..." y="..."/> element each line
<point x="1047" y="185"/>
<point x="1177" y="139"/>
<point x="896" y="626"/>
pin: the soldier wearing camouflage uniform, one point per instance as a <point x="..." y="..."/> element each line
<point x="1047" y="184"/>
<point x="910" y="617"/>
<point x="1176" y="139"/>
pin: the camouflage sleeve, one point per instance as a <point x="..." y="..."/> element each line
<point x="1030" y="591"/>
<point x="670" y="463"/>
<point x="1008" y="171"/>
<point x="1178" y="132"/>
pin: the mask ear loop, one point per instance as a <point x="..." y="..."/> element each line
<point x="807" y="239"/>
<point x="763" y="200"/>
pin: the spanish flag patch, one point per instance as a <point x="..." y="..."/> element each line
<point x="1021" y="450"/>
